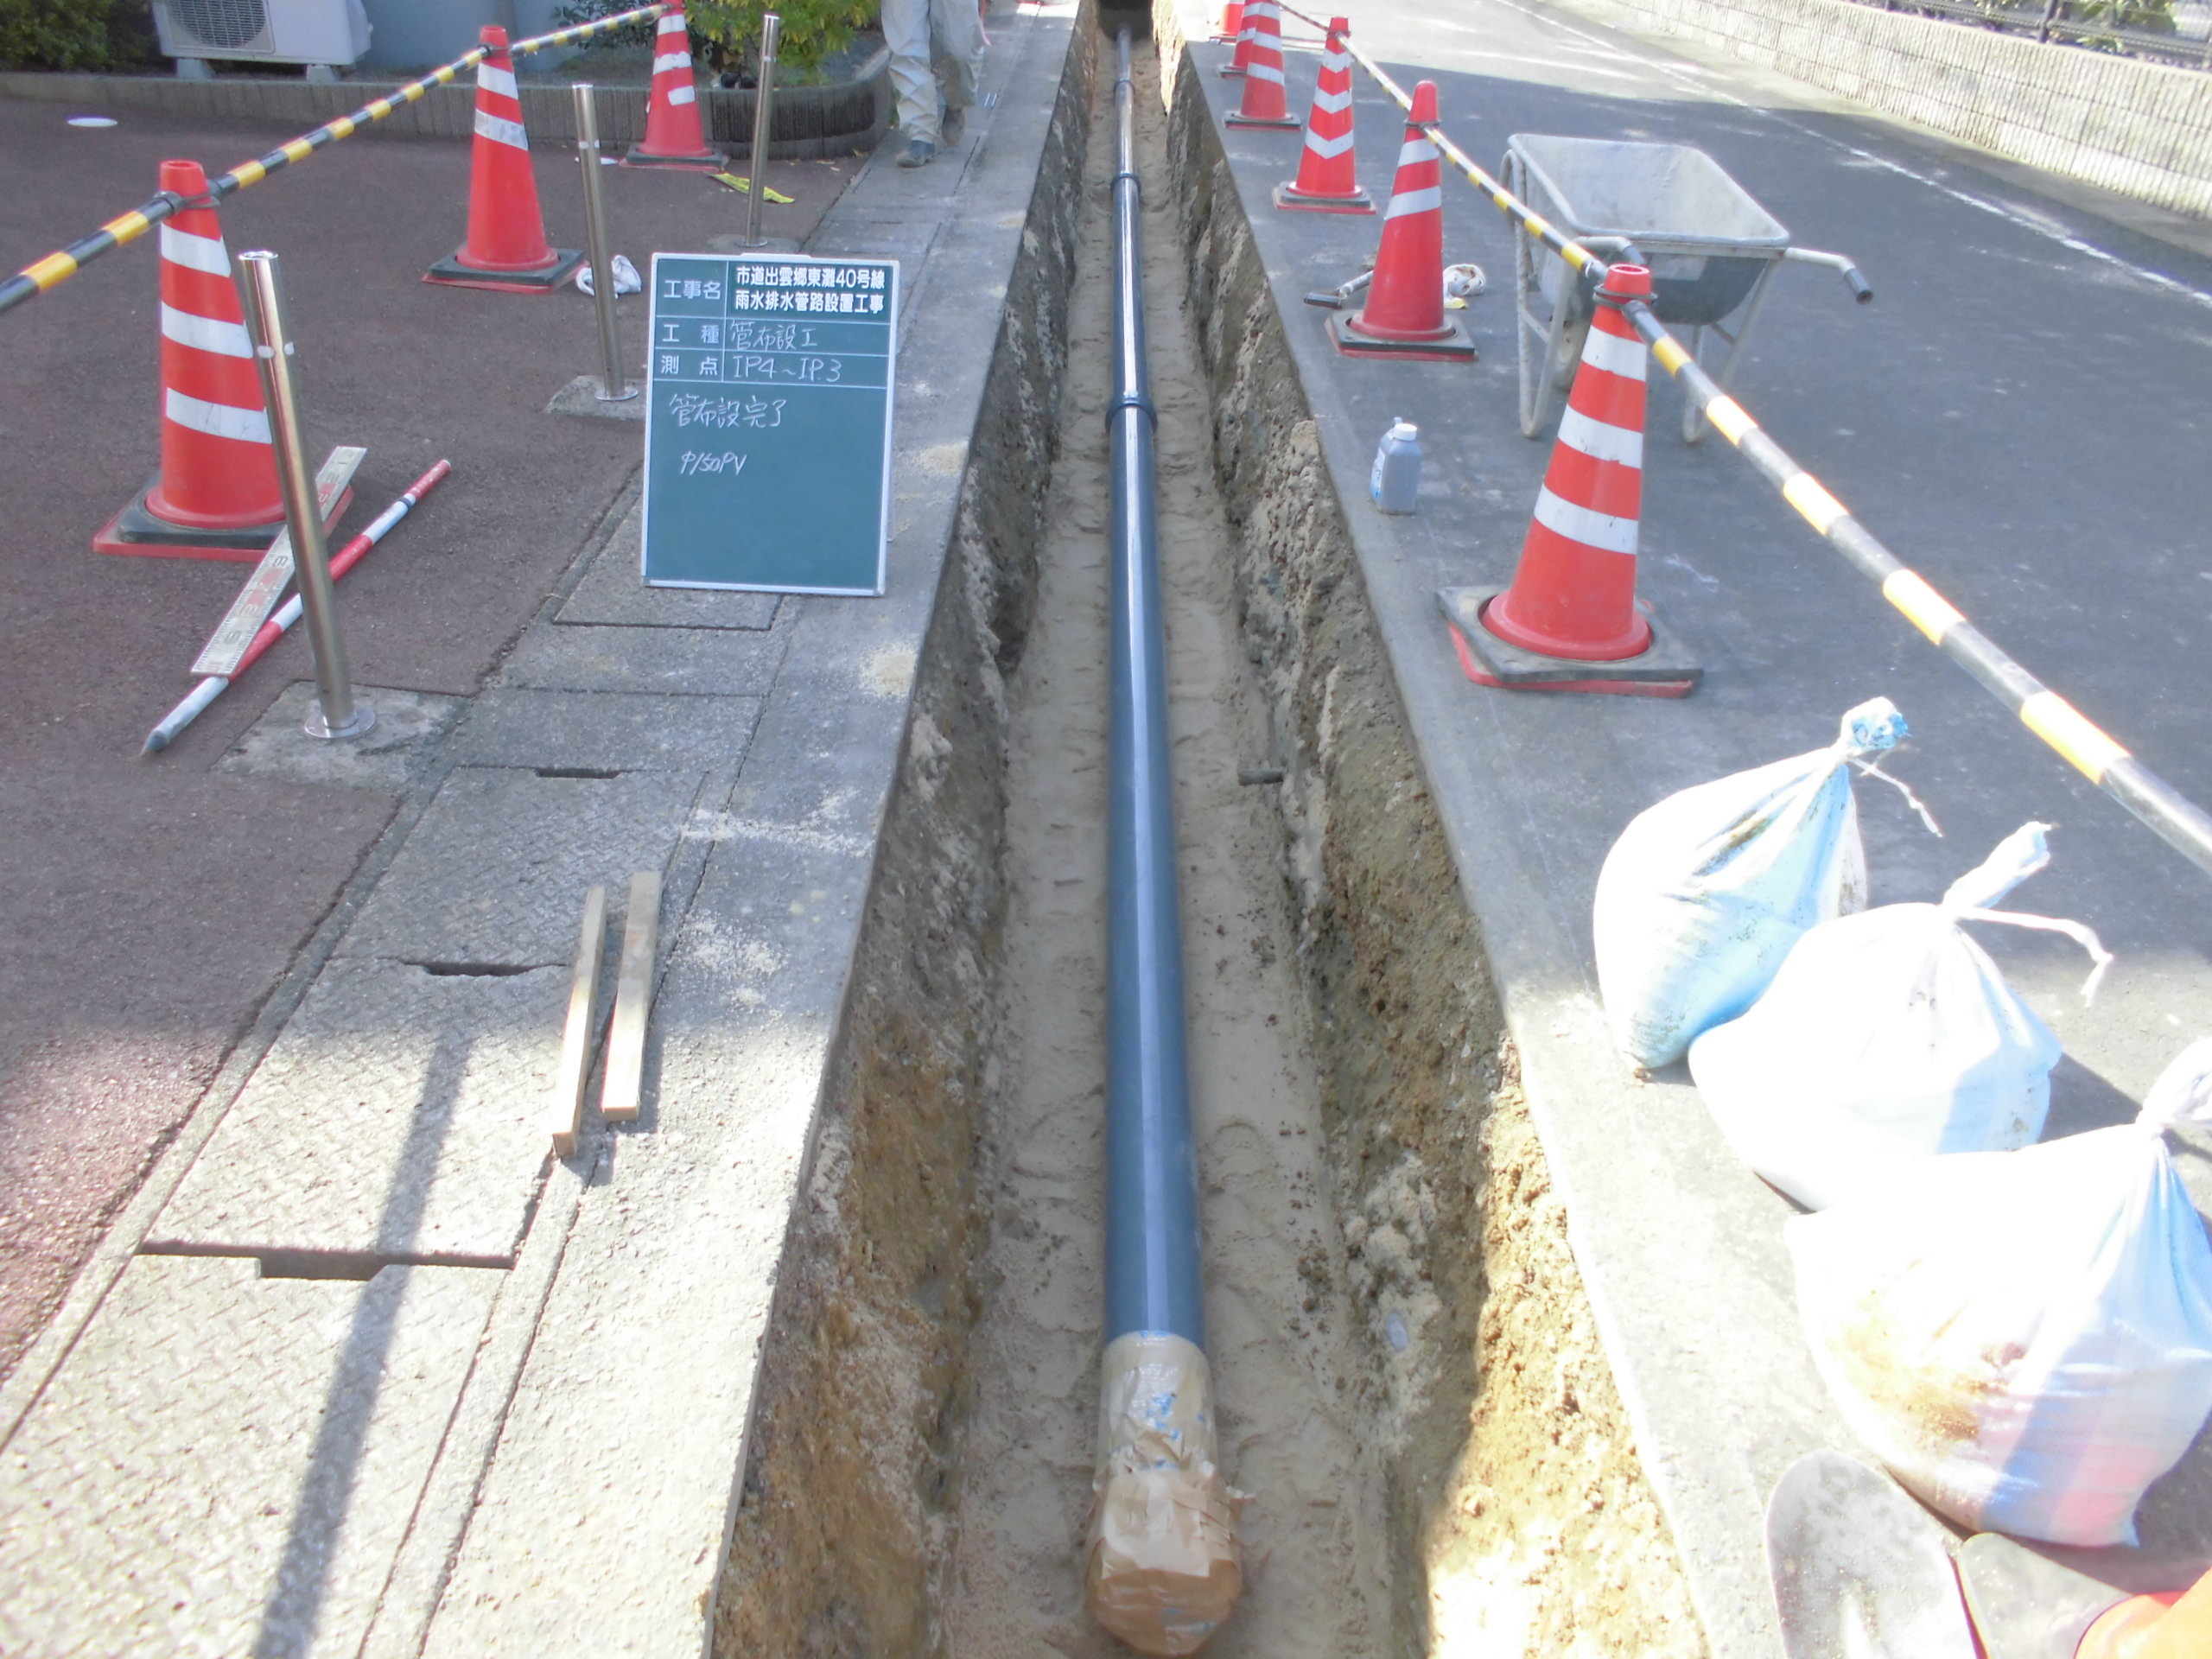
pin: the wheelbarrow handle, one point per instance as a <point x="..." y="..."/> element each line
<point x="1861" y="289"/>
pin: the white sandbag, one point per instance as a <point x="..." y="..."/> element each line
<point x="1888" y="1036"/>
<point x="1704" y="893"/>
<point x="2024" y="1338"/>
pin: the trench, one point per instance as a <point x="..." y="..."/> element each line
<point x="1410" y="1384"/>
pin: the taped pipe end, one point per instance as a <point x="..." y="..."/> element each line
<point x="1162" y="1566"/>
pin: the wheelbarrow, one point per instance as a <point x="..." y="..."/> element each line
<point x="1712" y="252"/>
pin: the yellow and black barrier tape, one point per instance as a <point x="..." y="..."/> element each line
<point x="2072" y="734"/>
<point x="57" y="267"/>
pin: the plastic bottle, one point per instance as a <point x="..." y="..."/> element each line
<point x="1396" y="481"/>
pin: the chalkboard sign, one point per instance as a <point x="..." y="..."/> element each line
<point x="768" y="428"/>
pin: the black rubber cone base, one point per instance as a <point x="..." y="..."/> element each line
<point x="713" y="162"/>
<point x="451" y="273"/>
<point x="1454" y="347"/>
<point x="135" y="532"/>
<point x="1288" y="122"/>
<point x="1662" y="669"/>
<point x="1287" y="198"/>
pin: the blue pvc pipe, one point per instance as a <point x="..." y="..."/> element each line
<point x="1151" y="1177"/>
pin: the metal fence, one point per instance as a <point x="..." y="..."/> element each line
<point x="2093" y="26"/>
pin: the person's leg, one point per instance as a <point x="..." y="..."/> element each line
<point x="907" y="33"/>
<point x="956" y="36"/>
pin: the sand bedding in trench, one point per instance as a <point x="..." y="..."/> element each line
<point x="1282" y="1336"/>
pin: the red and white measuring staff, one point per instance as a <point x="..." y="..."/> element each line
<point x="273" y="630"/>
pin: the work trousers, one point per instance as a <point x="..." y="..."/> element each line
<point x="935" y="46"/>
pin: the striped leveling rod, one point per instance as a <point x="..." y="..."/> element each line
<point x="57" y="267"/>
<point x="273" y="630"/>
<point x="2084" y="745"/>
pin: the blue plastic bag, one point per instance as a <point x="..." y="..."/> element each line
<point x="2024" y="1338"/>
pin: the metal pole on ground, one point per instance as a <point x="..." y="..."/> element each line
<point x="763" y="104"/>
<point x="334" y="714"/>
<point x="614" y="386"/>
<point x="1162" y="1569"/>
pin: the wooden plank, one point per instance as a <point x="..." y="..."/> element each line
<point x="266" y="585"/>
<point x="567" y="1114"/>
<point x="634" y="994"/>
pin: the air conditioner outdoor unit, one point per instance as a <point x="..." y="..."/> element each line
<point x="266" y="31"/>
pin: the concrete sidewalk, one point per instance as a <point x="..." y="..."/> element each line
<point x="363" y="1369"/>
<point x="2020" y="413"/>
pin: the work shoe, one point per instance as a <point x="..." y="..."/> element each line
<point x="952" y="125"/>
<point x="918" y="153"/>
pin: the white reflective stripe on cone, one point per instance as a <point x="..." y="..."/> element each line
<point x="502" y="81"/>
<point x="206" y="333"/>
<point x="1414" y="151"/>
<point x="1326" y="148"/>
<point x="1264" y="71"/>
<point x="193" y="252"/>
<point x="673" y="23"/>
<point x="686" y="93"/>
<point x="1430" y="200"/>
<point x="1332" y="102"/>
<point x="1599" y="440"/>
<point x="216" y="420"/>
<point x="1613" y="354"/>
<point x="501" y="130"/>
<point x="1597" y="529"/>
<point x="668" y="60"/>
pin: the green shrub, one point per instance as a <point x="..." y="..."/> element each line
<point x="725" y="33"/>
<point x="812" y="28"/>
<point x="53" y="34"/>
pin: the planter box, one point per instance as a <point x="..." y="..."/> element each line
<point x="811" y="121"/>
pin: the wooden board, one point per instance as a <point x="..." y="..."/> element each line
<point x="566" y="1115"/>
<point x="618" y="1095"/>
<point x="220" y="655"/>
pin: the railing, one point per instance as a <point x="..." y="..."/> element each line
<point x="2079" y="740"/>
<point x="2049" y="22"/>
<point x="57" y="267"/>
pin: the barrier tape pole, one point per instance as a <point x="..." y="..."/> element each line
<point x="57" y="267"/>
<point x="274" y="629"/>
<point x="2072" y="734"/>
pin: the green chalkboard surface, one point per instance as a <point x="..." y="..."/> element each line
<point x="768" y="431"/>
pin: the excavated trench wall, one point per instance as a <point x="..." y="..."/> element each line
<point x="842" y="1535"/>
<point x="1520" y="1520"/>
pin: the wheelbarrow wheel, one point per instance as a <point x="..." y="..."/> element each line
<point x="1539" y="324"/>
<point x="1567" y="349"/>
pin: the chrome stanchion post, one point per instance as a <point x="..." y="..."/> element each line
<point x="615" y="385"/>
<point x="334" y="714"/>
<point x="771" y="29"/>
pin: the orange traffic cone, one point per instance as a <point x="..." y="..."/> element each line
<point x="1232" y="20"/>
<point x="1246" y="29"/>
<point x="216" y="496"/>
<point x="673" y="136"/>
<point x="1572" y="602"/>
<point x="506" y="248"/>
<point x="1328" y="174"/>
<point x="2171" y="1625"/>
<point x="1264" y="105"/>
<point x="1404" y="313"/>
